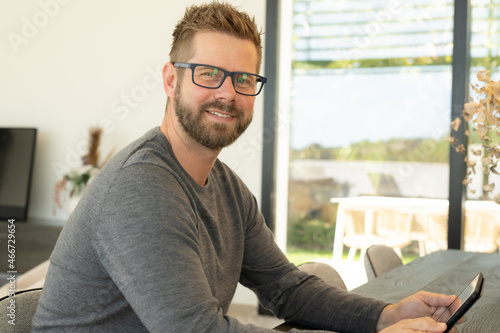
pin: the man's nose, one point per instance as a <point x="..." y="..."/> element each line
<point x="226" y="90"/>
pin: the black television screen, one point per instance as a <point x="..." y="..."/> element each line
<point x="17" y="152"/>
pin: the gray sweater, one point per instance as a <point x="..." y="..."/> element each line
<point x="148" y="249"/>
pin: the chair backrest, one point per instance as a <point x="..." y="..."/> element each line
<point x="480" y="232"/>
<point x="438" y="230"/>
<point x="394" y="224"/>
<point x="380" y="259"/>
<point x="22" y="307"/>
<point x="325" y="272"/>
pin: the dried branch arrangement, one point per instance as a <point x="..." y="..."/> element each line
<point x="484" y="118"/>
<point x="74" y="182"/>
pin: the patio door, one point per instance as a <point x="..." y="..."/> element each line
<point x="369" y="99"/>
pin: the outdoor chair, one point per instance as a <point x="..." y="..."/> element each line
<point x="480" y="232"/>
<point x="376" y="227"/>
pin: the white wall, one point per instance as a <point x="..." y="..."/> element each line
<point x="68" y="65"/>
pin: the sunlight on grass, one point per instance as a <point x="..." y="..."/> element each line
<point x="300" y="256"/>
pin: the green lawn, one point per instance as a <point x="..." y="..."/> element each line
<point x="299" y="256"/>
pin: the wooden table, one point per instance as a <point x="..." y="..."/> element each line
<point x="446" y="272"/>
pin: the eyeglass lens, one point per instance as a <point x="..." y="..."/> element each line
<point x="211" y="77"/>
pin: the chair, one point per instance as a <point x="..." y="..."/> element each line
<point x="438" y="230"/>
<point x="26" y="303"/>
<point x="480" y="232"/>
<point x="380" y="259"/>
<point x="420" y="233"/>
<point x="376" y="227"/>
<point x="319" y="269"/>
<point x="325" y="272"/>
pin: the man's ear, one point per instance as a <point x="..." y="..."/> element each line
<point x="169" y="79"/>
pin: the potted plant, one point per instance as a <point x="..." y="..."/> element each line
<point x="483" y="117"/>
<point x="74" y="182"/>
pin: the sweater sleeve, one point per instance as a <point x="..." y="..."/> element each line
<point x="296" y="296"/>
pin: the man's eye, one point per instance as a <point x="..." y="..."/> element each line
<point x="245" y="79"/>
<point x="210" y="72"/>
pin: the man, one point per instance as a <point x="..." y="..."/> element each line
<point x="165" y="231"/>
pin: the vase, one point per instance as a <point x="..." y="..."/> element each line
<point x="71" y="204"/>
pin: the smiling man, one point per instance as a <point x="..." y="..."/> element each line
<point x="211" y="97"/>
<point x="165" y="232"/>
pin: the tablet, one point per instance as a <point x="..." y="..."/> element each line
<point x="467" y="298"/>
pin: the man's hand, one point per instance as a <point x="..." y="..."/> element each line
<point x="421" y="304"/>
<point x="424" y="324"/>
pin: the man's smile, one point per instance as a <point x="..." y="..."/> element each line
<point x="220" y="114"/>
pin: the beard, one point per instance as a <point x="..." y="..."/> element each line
<point x="214" y="136"/>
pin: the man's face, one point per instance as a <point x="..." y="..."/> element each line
<point x="215" y="118"/>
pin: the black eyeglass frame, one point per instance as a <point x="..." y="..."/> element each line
<point x="226" y="74"/>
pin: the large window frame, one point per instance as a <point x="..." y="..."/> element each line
<point x="460" y="93"/>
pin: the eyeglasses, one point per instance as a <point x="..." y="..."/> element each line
<point x="212" y="77"/>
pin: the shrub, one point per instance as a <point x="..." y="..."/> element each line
<point x="310" y="234"/>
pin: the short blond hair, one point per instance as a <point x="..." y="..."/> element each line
<point x="216" y="17"/>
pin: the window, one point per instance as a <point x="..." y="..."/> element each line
<point x="485" y="55"/>
<point x="368" y="94"/>
<point x="481" y="223"/>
